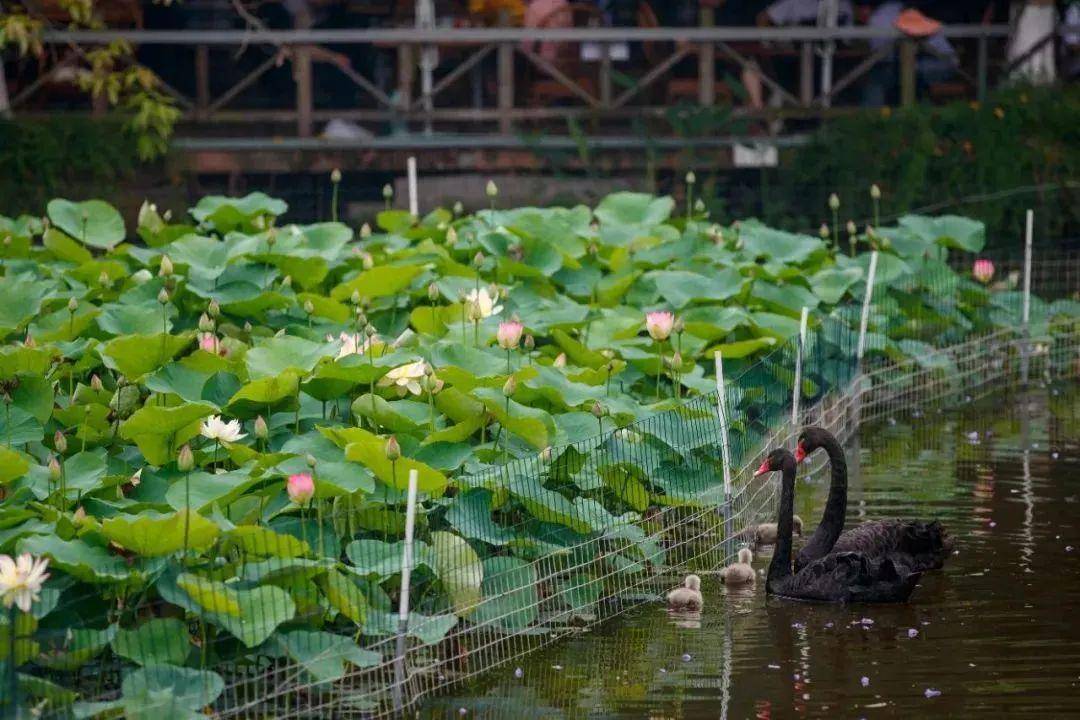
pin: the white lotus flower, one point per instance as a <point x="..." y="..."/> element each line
<point x="405" y="378"/>
<point x="215" y="428"/>
<point x="350" y="344"/>
<point x="484" y="303"/>
<point x="21" y="580"/>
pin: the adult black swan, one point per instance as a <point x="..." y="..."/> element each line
<point x="838" y="577"/>
<point x="919" y="544"/>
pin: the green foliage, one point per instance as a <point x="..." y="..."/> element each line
<point x="216" y="461"/>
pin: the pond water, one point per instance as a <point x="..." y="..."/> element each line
<point x="994" y="632"/>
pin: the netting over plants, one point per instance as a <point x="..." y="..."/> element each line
<point x="222" y="497"/>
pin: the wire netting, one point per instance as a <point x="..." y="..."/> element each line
<point x="572" y="536"/>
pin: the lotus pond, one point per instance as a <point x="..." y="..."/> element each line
<point x="209" y="421"/>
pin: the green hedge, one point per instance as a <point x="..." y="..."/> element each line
<point x="61" y="156"/>
<point x="925" y="155"/>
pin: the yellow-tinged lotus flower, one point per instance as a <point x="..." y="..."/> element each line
<point x="21" y="580"/>
<point x="215" y="428"/>
<point x="350" y="344"/>
<point x="659" y="324"/>
<point x="406" y="378"/>
<point x="484" y="303"/>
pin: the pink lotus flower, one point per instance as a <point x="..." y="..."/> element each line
<point x="301" y="488"/>
<point x="211" y="344"/>
<point x="509" y="334"/>
<point x="659" y="324"/>
<point x="983" y="271"/>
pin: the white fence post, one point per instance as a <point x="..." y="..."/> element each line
<point x="414" y="201"/>
<point x="865" y="320"/>
<point x="1025" y="318"/>
<point x="403" y="604"/>
<point x="725" y="449"/>
<point x="796" y="392"/>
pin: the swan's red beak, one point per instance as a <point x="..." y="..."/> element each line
<point x="763" y="469"/>
<point x="800" y="453"/>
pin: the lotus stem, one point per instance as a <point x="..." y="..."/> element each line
<point x="187" y="514"/>
<point x="659" y="369"/>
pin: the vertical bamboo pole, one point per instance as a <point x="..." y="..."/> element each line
<point x="725" y="450"/>
<point x="414" y="200"/>
<point x="1025" y="318"/>
<point x="796" y="392"/>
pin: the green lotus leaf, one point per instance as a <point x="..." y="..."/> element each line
<point x="94" y="222"/>
<point x="65" y="248"/>
<point x="137" y="355"/>
<point x="119" y="319"/>
<point x="510" y="594"/>
<point x="265" y="395"/>
<point x="345" y="596"/>
<point x="831" y="284"/>
<point x="164" y="691"/>
<point x="207" y="489"/>
<point x="459" y="569"/>
<point x="379" y="559"/>
<point x="157" y="641"/>
<point x="280" y="354"/>
<point x="761" y="241"/>
<point x="206" y="257"/>
<point x="18" y="427"/>
<point x="787" y="299"/>
<point x="20" y="302"/>
<point x="681" y="288"/>
<point x="151" y="534"/>
<point x="78" y="558"/>
<point x="160" y="431"/>
<point x="948" y="231"/>
<point x="225" y="214"/>
<point x="13" y="464"/>
<point x="629" y="208"/>
<point x="325" y="656"/>
<point x="740" y="348"/>
<point x="378" y="282"/>
<point x="370" y="451"/>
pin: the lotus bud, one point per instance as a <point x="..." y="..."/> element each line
<point x="472" y="312"/>
<point x="834" y="202"/>
<point x="335" y="176"/>
<point x="699" y="206"/>
<point x="492" y="189"/>
<point x="79" y="516"/>
<point x="247" y="327"/>
<point x="823" y="231"/>
<point x="545" y="454"/>
<point x="875" y="192"/>
<point x="286" y="282"/>
<point x="365" y="231"/>
<point x="676" y="360"/>
<point x="983" y="270"/>
<point x="366" y="260"/>
<point x="7" y="241"/>
<point x="185" y="459"/>
<point x="691" y="178"/>
<point x="213" y="309"/>
<point x="163" y="296"/>
<point x="679" y="326"/>
<point x="387" y="191"/>
<point x="55" y="471"/>
<point x="166" y="268"/>
<point x="309" y="307"/>
<point x="393" y="450"/>
<point x="451" y="237"/>
<point x="593" y="249"/>
<point x="95" y="383"/>
<point x="29" y="342"/>
<point x="509" y="387"/>
<point x="60" y="442"/>
<point x="103" y="280"/>
<point x="311" y="461"/>
<point x="529" y="342"/>
<point x="851" y="229"/>
<point x="597" y="409"/>
<point x="271" y="237"/>
<point x="478" y="259"/>
<point x="433" y="292"/>
<point x="458" y="208"/>
<point x="206" y="324"/>
<point x="560" y="360"/>
<point x="73" y="305"/>
<point x="261" y="430"/>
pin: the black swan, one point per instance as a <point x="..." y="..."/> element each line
<point x="918" y="544"/>
<point x="837" y="577"/>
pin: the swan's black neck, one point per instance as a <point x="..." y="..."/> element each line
<point x="780" y="567"/>
<point x="832" y="520"/>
